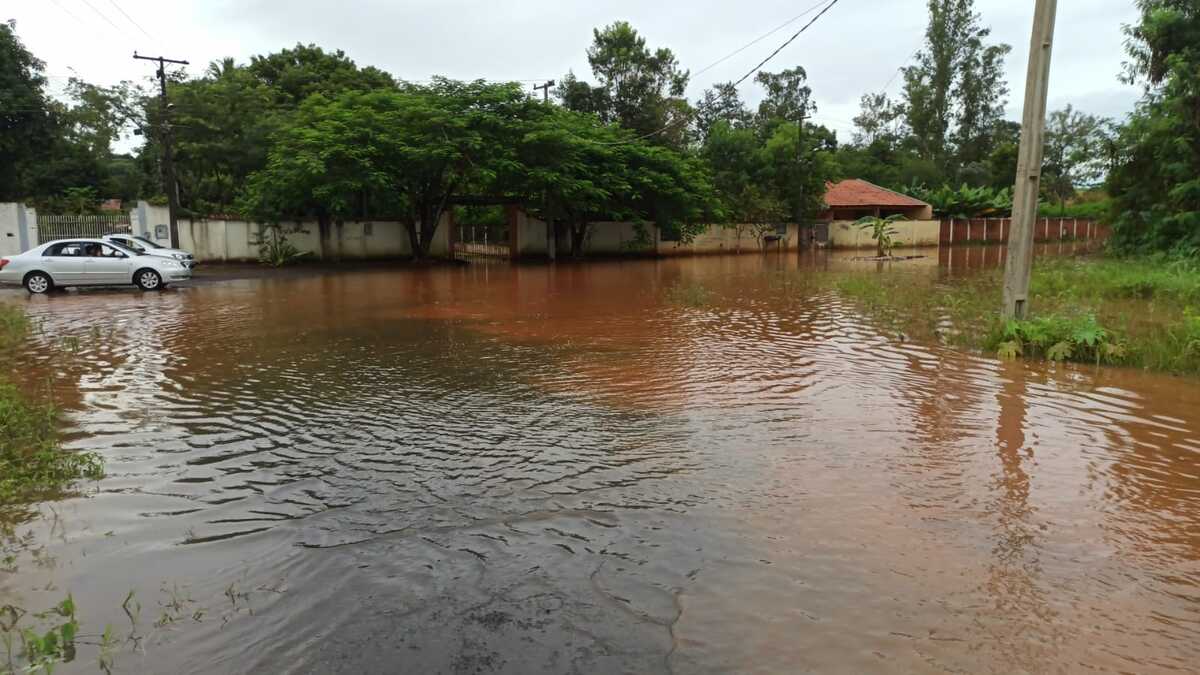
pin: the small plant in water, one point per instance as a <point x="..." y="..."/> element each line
<point x="1059" y="338"/>
<point x="40" y="648"/>
<point x="882" y="230"/>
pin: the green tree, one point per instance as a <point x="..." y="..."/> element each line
<point x="221" y="123"/>
<point x="412" y="148"/>
<point x="579" y="172"/>
<point x="294" y="74"/>
<point x="637" y="87"/>
<point x="955" y="93"/>
<point x="27" y="118"/>
<point x="788" y="98"/>
<point x="1075" y="155"/>
<point x="880" y="119"/>
<point x="1155" y="182"/>
<point x="721" y="103"/>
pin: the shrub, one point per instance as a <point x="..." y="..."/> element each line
<point x="1059" y="338"/>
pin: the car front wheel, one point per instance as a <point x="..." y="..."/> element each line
<point x="38" y="283"/>
<point x="148" y="280"/>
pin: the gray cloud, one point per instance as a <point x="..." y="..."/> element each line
<point x="854" y="49"/>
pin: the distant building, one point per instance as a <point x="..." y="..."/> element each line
<point x="853" y="199"/>
<point x="110" y="205"/>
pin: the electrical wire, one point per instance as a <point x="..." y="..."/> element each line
<point x="68" y="12"/>
<point x="759" y="39"/>
<point x="130" y="19"/>
<point x="104" y="16"/>
<point x="740" y="80"/>
<point x="790" y="40"/>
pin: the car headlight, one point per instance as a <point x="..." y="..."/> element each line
<point x="179" y="256"/>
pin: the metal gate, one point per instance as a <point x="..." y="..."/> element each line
<point x="482" y="241"/>
<point x="50" y="228"/>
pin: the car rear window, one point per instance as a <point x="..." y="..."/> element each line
<point x="69" y="249"/>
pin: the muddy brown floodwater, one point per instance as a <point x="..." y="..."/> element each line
<point x="689" y="466"/>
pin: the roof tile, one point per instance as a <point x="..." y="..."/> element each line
<point x="858" y="193"/>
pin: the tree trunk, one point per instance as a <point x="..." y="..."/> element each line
<point x="414" y="238"/>
<point x="578" y="235"/>
<point x="324" y="225"/>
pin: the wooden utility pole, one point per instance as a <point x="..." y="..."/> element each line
<point x="545" y="90"/>
<point x="1018" y="267"/>
<point x="169" y="183"/>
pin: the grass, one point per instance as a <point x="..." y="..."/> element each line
<point x="1141" y="312"/>
<point x="33" y="464"/>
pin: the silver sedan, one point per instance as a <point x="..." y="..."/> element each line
<point x="89" y="262"/>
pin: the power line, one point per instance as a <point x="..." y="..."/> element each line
<point x="130" y="19"/>
<point x="790" y="40"/>
<point x="67" y="11"/>
<point x="740" y="80"/>
<point x="900" y="70"/>
<point x="757" y="40"/>
<point x="104" y="16"/>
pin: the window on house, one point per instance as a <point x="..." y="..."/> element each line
<point x="368" y="229"/>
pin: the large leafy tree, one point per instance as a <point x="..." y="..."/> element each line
<point x="1155" y="182"/>
<point x="27" y="120"/>
<point x="637" y="87"/>
<point x="221" y="123"/>
<point x="787" y="98"/>
<point x="955" y="92"/>
<point x="721" y="103"/>
<point x="411" y="149"/>
<point x="881" y="120"/>
<point x="578" y="171"/>
<point x="1076" y="152"/>
<point x="292" y="75"/>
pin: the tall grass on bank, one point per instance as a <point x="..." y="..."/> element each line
<point x="33" y="465"/>
<point x="1141" y="312"/>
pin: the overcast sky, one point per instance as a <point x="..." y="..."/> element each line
<point x="855" y="48"/>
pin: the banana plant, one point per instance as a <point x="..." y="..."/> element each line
<point x="882" y="230"/>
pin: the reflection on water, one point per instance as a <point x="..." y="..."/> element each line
<point x="561" y="469"/>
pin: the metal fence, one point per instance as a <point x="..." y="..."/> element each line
<point x="50" y="228"/>
<point x="482" y="241"/>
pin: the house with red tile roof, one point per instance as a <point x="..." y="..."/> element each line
<point x="855" y="198"/>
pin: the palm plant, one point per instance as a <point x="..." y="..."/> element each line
<point x="882" y="230"/>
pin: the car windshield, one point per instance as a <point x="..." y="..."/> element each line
<point x="122" y="248"/>
<point x="147" y="242"/>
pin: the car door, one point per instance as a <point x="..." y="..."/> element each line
<point x="111" y="266"/>
<point x="66" y="263"/>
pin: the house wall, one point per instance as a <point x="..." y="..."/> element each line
<point x="910" y="233"/>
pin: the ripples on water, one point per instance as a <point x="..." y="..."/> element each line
<point x="521" y="469"/>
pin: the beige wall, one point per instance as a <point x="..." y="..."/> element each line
<point x="910" y="233"/>
<point x="10" y="230"/>
<point x="220" y="240"/>
<point x="612" y="238"/>
<point x="729" y="239"/>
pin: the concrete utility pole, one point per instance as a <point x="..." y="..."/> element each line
<point x="169" y="183"/>
<point x="551" y="238"/>
<point x="800" y="175"/>
<point x="545" y="90"/>
<point x="1019" y="265"/>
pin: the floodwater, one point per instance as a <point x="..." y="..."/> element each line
<point x="703" y="465"/>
